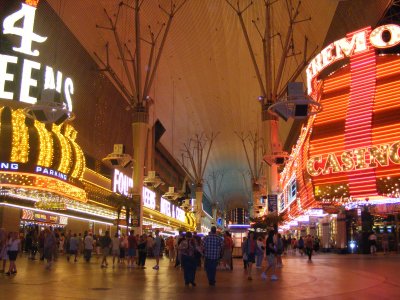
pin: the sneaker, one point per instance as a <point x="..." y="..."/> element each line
<point x="156" y="267"/>
<point x="274" y="278"/>
<point x="264" y="276"/>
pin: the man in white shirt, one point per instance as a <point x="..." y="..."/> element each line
<point x="88" y="246"/>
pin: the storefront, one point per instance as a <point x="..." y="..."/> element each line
<point x="346" y="159"/>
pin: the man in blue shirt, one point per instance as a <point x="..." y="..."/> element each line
<point x="212" y="253"/>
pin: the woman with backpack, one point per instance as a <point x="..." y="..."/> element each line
<point x="259" y="252"/>
<point x="250" y="247"/>
<point x="187" y="249"/>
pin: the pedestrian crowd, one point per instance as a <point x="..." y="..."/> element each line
<point x="187" y="251"/>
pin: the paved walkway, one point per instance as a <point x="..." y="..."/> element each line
<point x="330" y="276"/>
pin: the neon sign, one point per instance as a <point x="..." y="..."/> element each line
<point x="52" y="79"/>
<point x="10" y="166"/>
<point x="149" y="198"/>
<point x="355" y="43"/>
<point x="357" y="159"/>
<point x="122" y="183"/>
<point x="171" y="210"/>
<point x="50" y="172"/>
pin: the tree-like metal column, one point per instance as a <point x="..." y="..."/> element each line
<point x="273" y="85"/>
<point x="214" y="182"/>
<point x="194" y="161"/>
<point x="256" y="168"/>
<point x="136" y="87"/>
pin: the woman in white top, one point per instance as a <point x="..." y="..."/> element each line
<point x="115" y="248"/>
<point x="13" y="247"/>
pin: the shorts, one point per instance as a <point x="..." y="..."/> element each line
<point x="251" y="258"/>
<point x="48" y="253"/>
<point x="115" y="252"/>
<point x="131" y="252"/>
<point x="271" y="259"/>
<point x="105" y="251"/>
<point x="3" y="253"/>
<point x="73" y="252"/>
<point x="12" y="255"/>
<point x="156" y="251"/>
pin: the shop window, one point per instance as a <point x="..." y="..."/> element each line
<point x="292" y="191"/>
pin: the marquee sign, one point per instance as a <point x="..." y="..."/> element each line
<point x="52" y="80"/>
<point x="384" y="36"/>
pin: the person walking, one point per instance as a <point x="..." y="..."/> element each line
<point x="259" y="252"/>
<point x="115" y="249"/>
<point x="105" y="245"/>
<point x="142" y="249"/>
<point x="178" y="240"/>
<point x="50" y="245"/>
<point x="13" y="247"/>
<point x="132" y="246"/>
<point x="122" y="247"/>
<point x="88" y="247"/>
<point x="171" y="248"/>
<point x="3" y="249"/>
<point x="372" y="242"/>
<point x="227" y="251"/>
<point x="270" y="252"/>
<point x="212" y="252"/>
<point x="300" y="245"/>
<point x="244" y="254"/>
<point x="250" y="251"/>
<point x="280" y="249"/>
<point x="198" y="251"/>
<point x="187" y="250"/>
<point x="309" y="244"/>
<point x="73" y="247"/>
<point x="157" y="249"/>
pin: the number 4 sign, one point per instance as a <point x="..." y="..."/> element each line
<point x="26" y="32"/>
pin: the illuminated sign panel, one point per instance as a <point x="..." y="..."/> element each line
<point x="358" y="159"/>
<point x="122" y="184"/>
<point x="356" y="43"/>
<point x="350" y="150"/>
<point x="52" y="79"/>
<point x="171" y="210"/>
<point x="149" y="198"/>
<point x="9" y="166"/>
<point x="166" y="207"/>
<point x="31" y="215"/>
